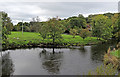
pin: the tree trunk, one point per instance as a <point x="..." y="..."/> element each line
<point x="53" y="41"/>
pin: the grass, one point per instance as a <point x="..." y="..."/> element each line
<point x="104" y="70"/>
<point x="17" y="38"/>
<point x="116" y="53"/>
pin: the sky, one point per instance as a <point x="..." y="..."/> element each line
<point x="26" y="10"/>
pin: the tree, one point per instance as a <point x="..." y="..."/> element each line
<point x="81" y="16"/>
<point x="116" y="24"/>
<point x="6" y="22"/>
<point x="54" y="29"/>
<point x="73" y="32"/>
<point x="107" y="29"/>
<point x="43" y="30"/>
<point x="36" y="19"/>
<point x="77" y="22"/>
<point x="85" y="33"/>
<point x="6" y="28"/>
<point x="102" y="27"/>
<point x="34" y="26"/>
<point x="109" y="15"/>
<point x="18" y="27"/>
<point x="66" y="26"/>
<point x="27" y="29"/>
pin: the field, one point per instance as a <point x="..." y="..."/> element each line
<point x="19" y="39"/>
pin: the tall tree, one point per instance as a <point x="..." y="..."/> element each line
<point x="6" y="28"/>
<point x="6" y="22"/>
<point x="102" y="27"/>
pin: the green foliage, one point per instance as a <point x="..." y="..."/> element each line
<point x="7" y="26"/>
<point x="26" y="29"/>
<point x="66" y="25"/>
<point x="16" y="28"/>
<point x="77" y="22"/>
<point x="73" y="32"/>
<point x="85" y="33"/>
<point x="6" y="22"/>
<point x="116" y="53"/>
<point x="54" y="29"/>
<point x="0" y="30"/>
<point x="115" y="25"/>
<point x="104" y="70"/>
<point x="102" y="27"/>
<point x="81" y="16"/>
<point x="18" y="39"/>
<point x="109" y="15"/>
<point x="43" y="31"/>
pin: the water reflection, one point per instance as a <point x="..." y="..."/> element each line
<point x="98" y="51"/>
<point x="51" y="61"/>
<point x="83" y="51"/>
<point x="7" y="65"/>
<point x="47" y="61"/>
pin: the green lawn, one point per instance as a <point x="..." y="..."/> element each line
<point x="116" y="53"/>
<point x="31" y="37"/>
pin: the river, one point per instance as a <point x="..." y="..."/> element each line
<point x="64" y="61"/>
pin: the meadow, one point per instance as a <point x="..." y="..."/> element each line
<point x="17" y="39"/>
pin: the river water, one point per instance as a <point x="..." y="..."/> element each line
<point x="64" y="61"/>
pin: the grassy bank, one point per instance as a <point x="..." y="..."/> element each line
<point x="17" y="39"/>
<point x="116" y="53"/>
<point x="113" y="56"/>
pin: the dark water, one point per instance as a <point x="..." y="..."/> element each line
<point x="64" y="61"/>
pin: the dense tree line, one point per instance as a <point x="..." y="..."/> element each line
<point x="104" y="26"/>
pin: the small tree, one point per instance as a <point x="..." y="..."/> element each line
<point x="85" y="33"/>
<point x="55" y="29"/>
<point x="73" y="32"/>
<point x="52" y="29"/>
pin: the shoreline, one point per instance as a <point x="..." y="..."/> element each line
<point x="32" y="40"/>
<point x="47" y="45"/>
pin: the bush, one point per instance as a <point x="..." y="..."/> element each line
<point x="104" y="70"/>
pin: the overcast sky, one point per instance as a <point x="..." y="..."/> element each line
<point x="19" y="11"/>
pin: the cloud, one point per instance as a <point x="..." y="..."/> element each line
<point x="59" y="0"/>
<point x="19" y="11"/>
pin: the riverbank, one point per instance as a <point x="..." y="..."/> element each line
<point x="32" y="39"/>
<point x="113" y="56"/>
<point x="116" y="53"/>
